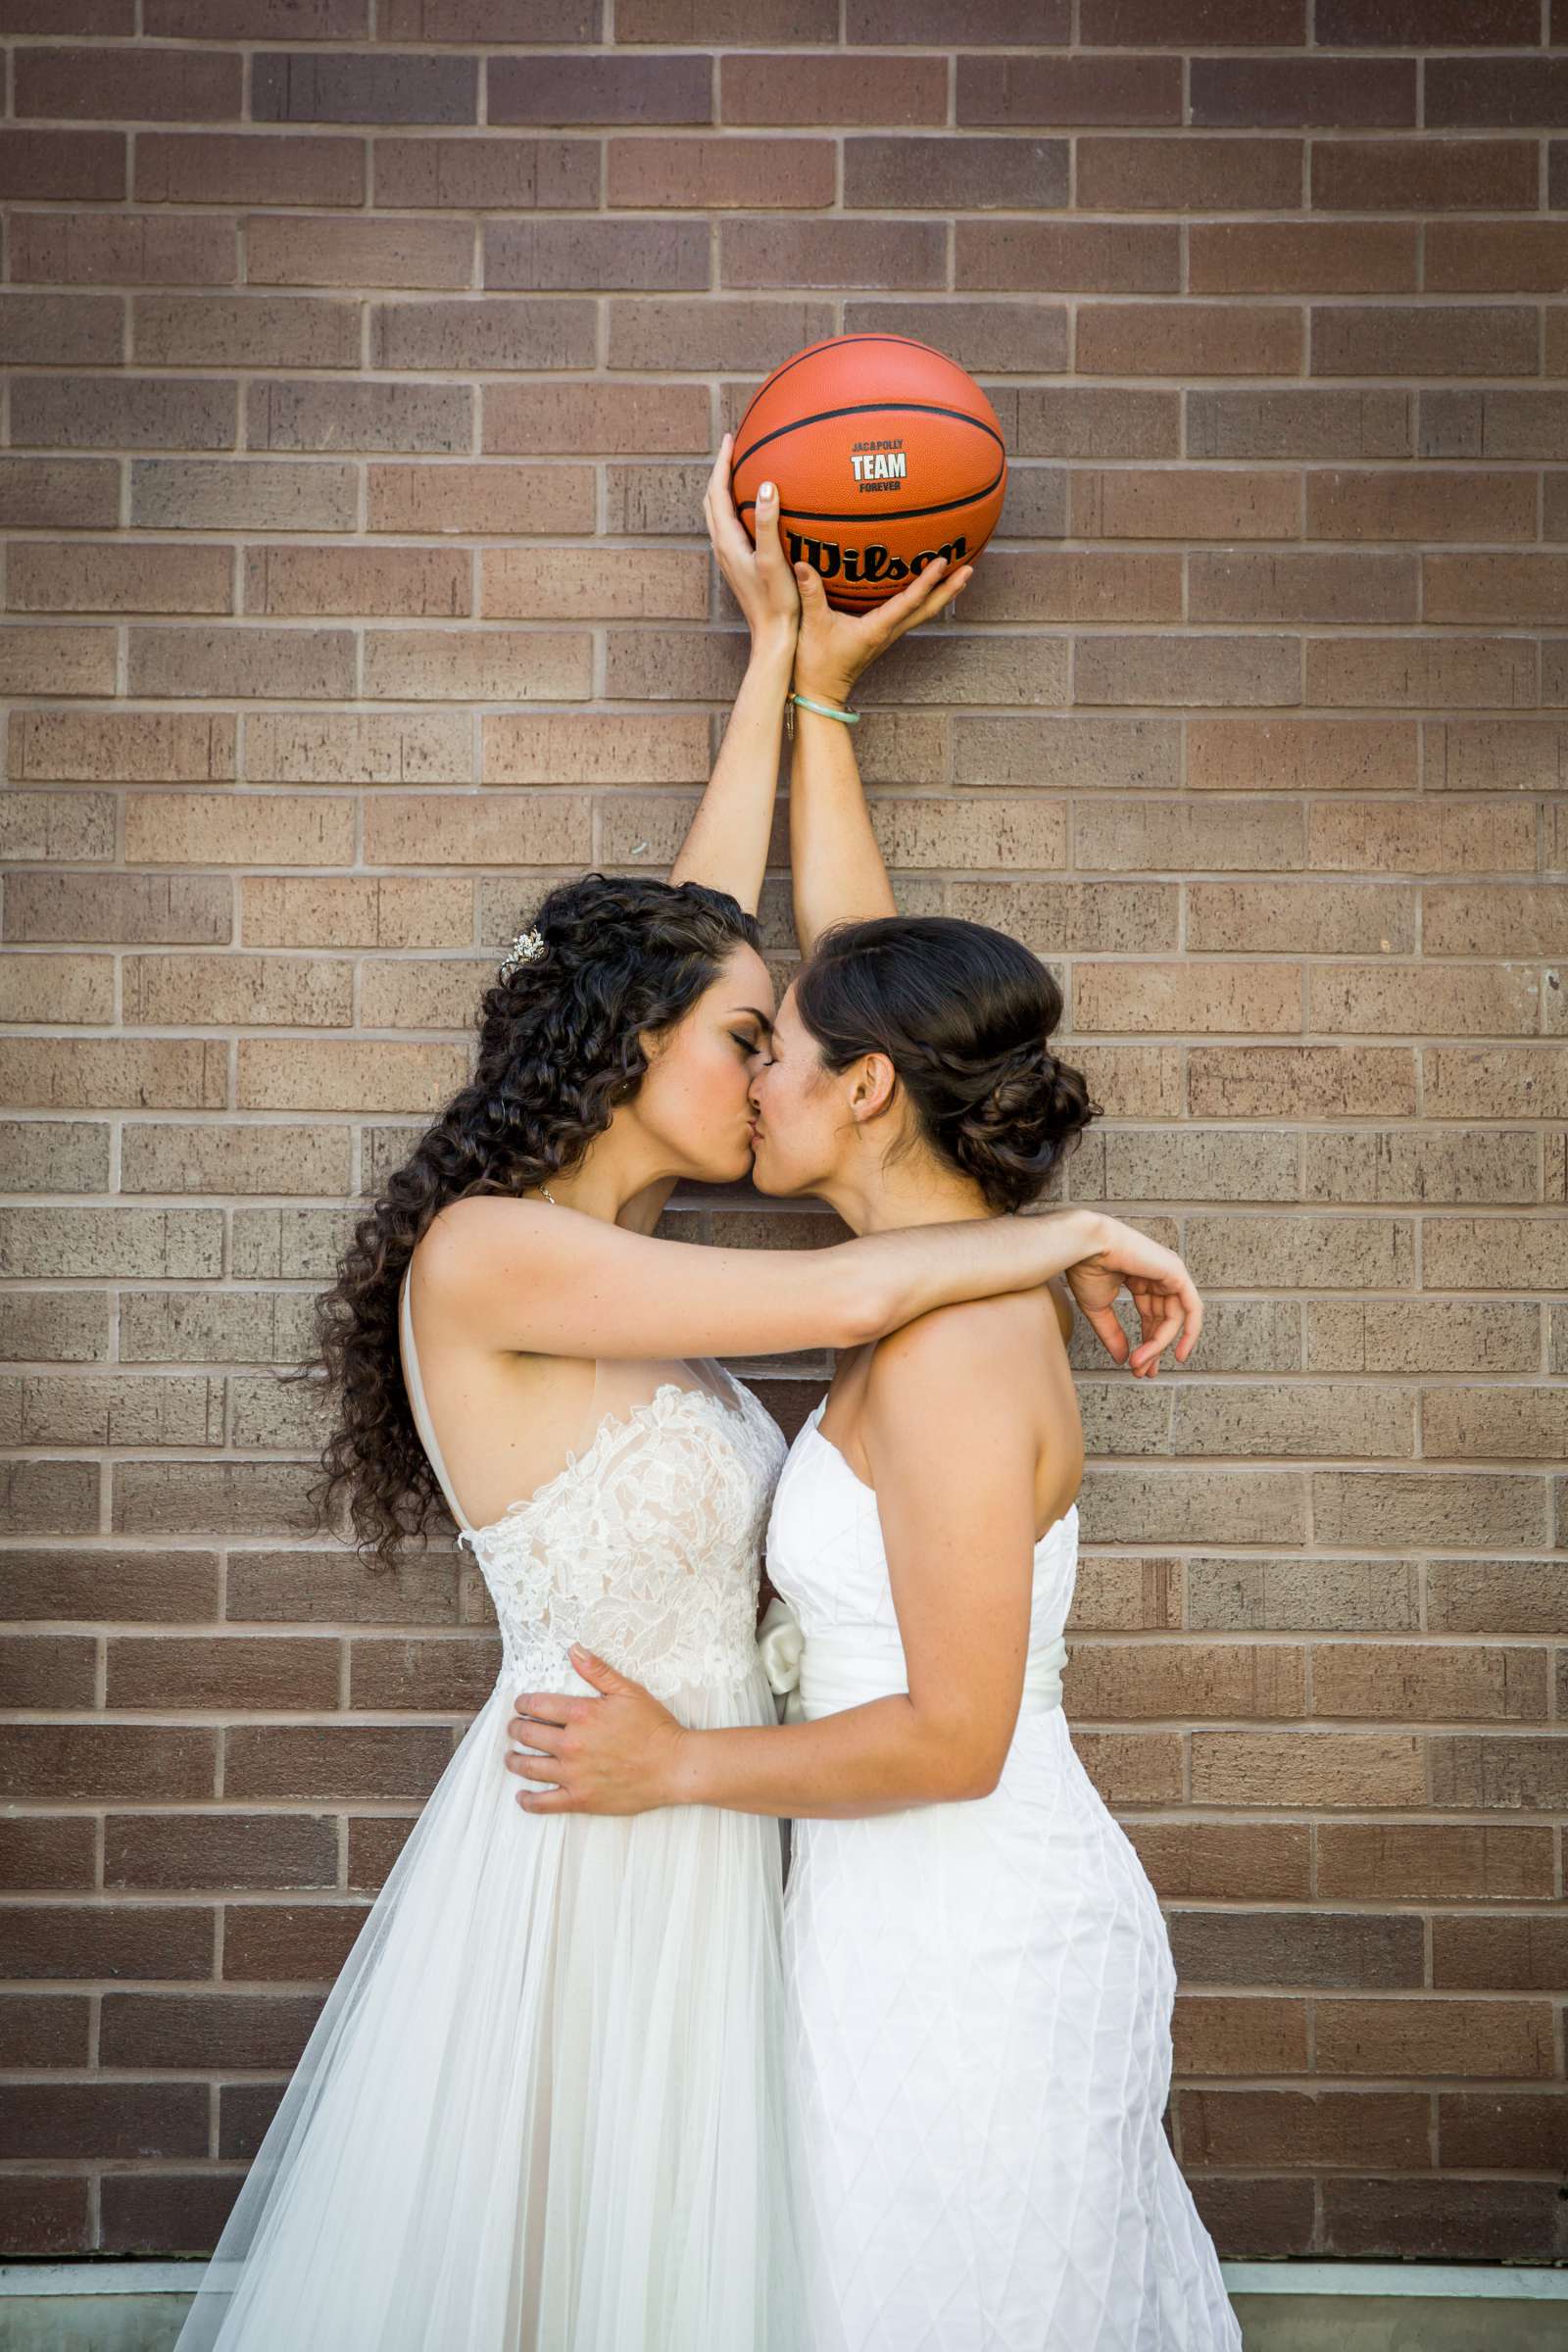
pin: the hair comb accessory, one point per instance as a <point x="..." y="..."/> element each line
<point x="526" y="948"/>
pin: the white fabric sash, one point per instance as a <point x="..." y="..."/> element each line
<point x="823" y="1676"/>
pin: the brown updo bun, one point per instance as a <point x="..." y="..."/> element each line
<point x="965" y="1014"/>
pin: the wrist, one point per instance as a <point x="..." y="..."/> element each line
<point x="773" y="646"/>
<point x="1089" y="1230"/>
<point x="824" y="689"/>
<point x="678" y="1782"/>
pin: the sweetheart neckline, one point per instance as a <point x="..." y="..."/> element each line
<point x="813" y="1422"/>
<point x="611" y="1424"/>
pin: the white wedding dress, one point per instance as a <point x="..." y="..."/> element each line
<point x="980" y="2001"/>
<point x="544" y="2107"/>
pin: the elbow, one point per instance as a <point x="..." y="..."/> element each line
<point x="968" y="1762"/>
<point x="981" y="1777"/>
<point x="864" y="1305"/>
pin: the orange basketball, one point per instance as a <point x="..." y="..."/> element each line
<point x="886" y="454"/>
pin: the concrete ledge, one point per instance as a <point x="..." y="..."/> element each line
<point x="1283" y="2306"/>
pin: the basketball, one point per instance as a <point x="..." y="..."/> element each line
<point x="886" y="454"/>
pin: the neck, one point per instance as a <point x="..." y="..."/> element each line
<point x="617" y="1171"/>
<point x="916" y="1191"/>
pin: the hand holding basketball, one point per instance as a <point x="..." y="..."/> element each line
<point x="833" y="647"/>
<point x="759" y="578"/>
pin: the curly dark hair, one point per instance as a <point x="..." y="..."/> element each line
<point x="965" y="1014"/>
<point x="561" y="1048"/>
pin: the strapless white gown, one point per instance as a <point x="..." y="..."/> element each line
<point x="980" y="2001"/>
<point x="543" y="2109"/>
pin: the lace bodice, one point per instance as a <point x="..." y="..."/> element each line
<point x="645" y="1546"/>
<point x="646" y="1549"/>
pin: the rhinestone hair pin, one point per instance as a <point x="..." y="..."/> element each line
<point x="526" y="948"/>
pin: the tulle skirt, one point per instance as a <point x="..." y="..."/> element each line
<point x="543" y="2109"/>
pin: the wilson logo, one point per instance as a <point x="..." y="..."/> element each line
<point x="866" y="566"/>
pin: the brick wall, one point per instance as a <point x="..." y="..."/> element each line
<point x="365" y="380"/>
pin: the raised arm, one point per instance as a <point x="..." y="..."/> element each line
<point x="527" y="1276"/>
<point x="836" y="866"/>
<point x="947" y="1427"/>
<point x="726" y="845"/>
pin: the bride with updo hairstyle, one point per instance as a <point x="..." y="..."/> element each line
<point x="965" y="1014"/>
<point x="978" y="1980"/>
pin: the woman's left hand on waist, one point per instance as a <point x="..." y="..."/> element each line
<point x="616" y="1752"/>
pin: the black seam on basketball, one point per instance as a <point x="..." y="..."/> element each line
<point x="867" y="408"/>
<point x="874" y="515"/>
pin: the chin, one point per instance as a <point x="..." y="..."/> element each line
<point x="767" y="1179"/>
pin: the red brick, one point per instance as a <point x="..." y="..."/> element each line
<point x="63" y="166"/>
<point x="40" y="2214"/>
<point x="1411" y="176"/>
<point x="1296" y="1948"/>
<point x="1435" y="2037"/>
<point x="144" y="1939"/>
<point x="845" y="86"/>
<point x="272" y="1676"/>
<point x="1427" y="23"/>
<point x="220" y="1853"/>
<point x="320" y="86"/>
<point x="234" y="2032"/>
<point x="1485" y="1953"/>
<point x="603" y="88"/>
<point x="245" y="167"/>
<point x="1461" y="92"/>
<point x="1278" y="93"/>
<point x="1229" y="2033"/>
<point x="1264" y="2218"/>
<point x="1434" y="339"/>
<point x="1500" y="2221"/>
<point x="480" y="175"/>
<point x="44" y="2030"/>
<point x="163" y="2213"/>
<point x="106" y="2119"/>
<point x="1194" y="24"/>
<point x="290" y="1943"/>
<point x="128" y="85"/>
<point x="1030" y="89"/>
<point x="257" y="19"/>
<point x="374" y="1842"/>
<point x="40" y="1761"/>
<point x="115" y="18"/>
<point x="1189" y="173"/>
<point x="1302" y="256"/>
<point x="936" y="174"/>
<point x="47" y="1854"/>
<point x="1502" y="2130"/>
<point x="359" y="1760"/>
<point x="110" y="249"/>
<point x="1299" y="2129"/>
<point x="1189" y="339"/>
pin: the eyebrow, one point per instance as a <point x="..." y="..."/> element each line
<point x="760" y="1018"/>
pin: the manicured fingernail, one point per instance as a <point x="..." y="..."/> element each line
<point x="766" y="491"/>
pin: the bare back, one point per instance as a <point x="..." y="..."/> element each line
<point x="499" y="1425"/>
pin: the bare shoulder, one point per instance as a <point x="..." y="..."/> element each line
<point x="480" y="1240"/>
<point x="981" y="1342"/>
